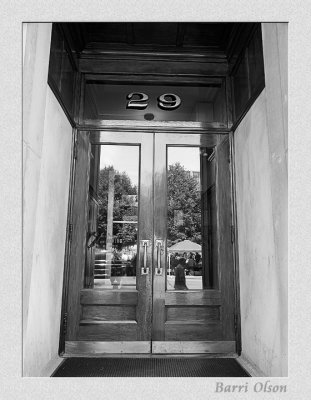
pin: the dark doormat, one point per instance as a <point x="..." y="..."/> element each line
<point x="150" y="367"/>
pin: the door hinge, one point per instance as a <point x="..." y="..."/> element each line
<point x="232" y="233"/>
<point x="75" y="150"/>
<point x="65" y="321"/>
<point x="70" y="229"/>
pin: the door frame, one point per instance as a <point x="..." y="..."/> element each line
<point x="138" y="126"/>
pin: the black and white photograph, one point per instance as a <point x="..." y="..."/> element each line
<point x="157" y="218"/>
<point x="156" y="178"/>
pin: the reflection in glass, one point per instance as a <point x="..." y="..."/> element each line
<point x="61" y="69"/>
<point x="249" y="77"/>
<point x="113" y="235"/>
<point x="255" y="60"/>
<point x="191" y="219"/>
<point x="241" y="86"/>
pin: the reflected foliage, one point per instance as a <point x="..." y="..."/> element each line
<point x="124" y="208"/>
<point x="184" y="206"/>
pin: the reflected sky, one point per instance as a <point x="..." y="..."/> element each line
<point x="122" y="158"/>
<point x="125" y="158"/>
<point x="188" y="157"/>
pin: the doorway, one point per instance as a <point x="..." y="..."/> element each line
<point x="151" y="258"/>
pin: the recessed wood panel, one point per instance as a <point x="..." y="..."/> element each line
<point x="108" y="297"/>
<point x="108" y="330"/>
<point x="203" y="314"/>
<point x="193" y="331"/>
<point x="187" y="298"/>
<point x="108" y="313"/>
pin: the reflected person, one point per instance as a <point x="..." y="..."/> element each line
<point x="180" y="278"/>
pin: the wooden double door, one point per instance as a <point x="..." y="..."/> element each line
<point x="169" y="304"/>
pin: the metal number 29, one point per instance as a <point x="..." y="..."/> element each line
<point x="140" y="104"/>
<point x="169" y="101"/>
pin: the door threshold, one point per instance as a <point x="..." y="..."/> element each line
<point x="149" y="355"/>
<point x="140" y="355"/>
<point x="148" y="349"/>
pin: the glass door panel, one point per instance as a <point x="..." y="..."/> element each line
<point x="113" y="229"/>
<point x="191" y="219"/>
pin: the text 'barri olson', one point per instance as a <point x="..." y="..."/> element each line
<point x="265" y="387"/>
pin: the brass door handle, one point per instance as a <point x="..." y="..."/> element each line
<point x="145" y="269"/>
<point x="159" y="244"/>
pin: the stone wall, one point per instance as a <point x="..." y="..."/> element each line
<point x="261" y="188"/>
<point x="47" y="138"/>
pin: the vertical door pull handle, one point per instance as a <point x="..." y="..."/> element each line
<point x="145" y="269"/>
<point x="159" y="244"/>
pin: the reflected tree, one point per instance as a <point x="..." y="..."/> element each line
<point x="184" y="206"/>
<point x="125" y="207"/>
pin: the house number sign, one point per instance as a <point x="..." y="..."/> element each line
<point x="139" y="101"/>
